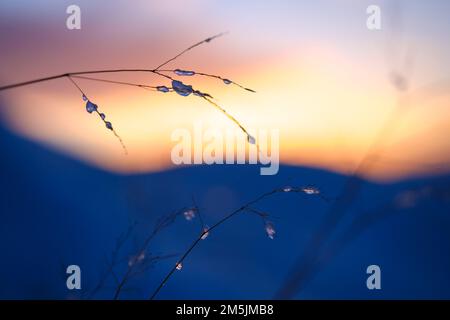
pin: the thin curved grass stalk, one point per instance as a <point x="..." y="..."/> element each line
<point x="156" y="71"/>
<point x="124" y="147"/>
<point x="205" y="96"/>
<point x="132" y="265"/>
<point x="200" y="216"/>
<point x="339" y="207"/>
<point x="190" y="48"/>
<point x="149" y="262"/>
<point x="206" y="231"/>
<point x="77" y="86"/>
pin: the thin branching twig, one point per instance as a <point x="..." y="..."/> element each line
<point x="177" y="86"/>
<point x="246" y="207"/>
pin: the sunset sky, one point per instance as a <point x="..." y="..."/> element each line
<point x="322" y="78"/>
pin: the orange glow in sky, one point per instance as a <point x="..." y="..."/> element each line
<point x="328" y="98"/>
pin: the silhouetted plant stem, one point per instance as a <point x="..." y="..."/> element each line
<point x="366" y="220"/>
<point x="227" y="217"/>
<point x="305" y="264"/>
<point x="76" y="85"/>
<point x="162" y="223"/>
<point x="156" y="71"/>
<point x="133" y="263"/>
<point x="79" y="73"/>
<point x="114" y="260"/>
<point x="116" y="82"/>
<point x="225" y="80"/>
<point x="190" y="48"/>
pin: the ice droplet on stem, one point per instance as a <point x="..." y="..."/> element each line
<point x="108" y="125"/>
<point x="205" y="233"/>
<point x="270" y="230"/>
<point x="189" y="214"/>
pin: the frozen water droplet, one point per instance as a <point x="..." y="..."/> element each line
<point x="84" y="98"/>
<point x="202" y="94"/>
<point x="162" y="89"/>
<point x="406" y="199"/>
<point x="311" y="190"/>
<point x="179" y="266"/>
<point x="189" y="214"/>
<point x="227" y="81"/>
<point x="184" y="72"/>
<point x="287" y="189"/>
<point x="270" y="230"/>
<point x="91" y="107"/>
<point x="136" y="259"/>
<point x="205" y="233"/>
<point x="251" y="139"/>
<point x="181" y="88"/>
<point x="108" y="125"/>
<point x="102" y="115"/>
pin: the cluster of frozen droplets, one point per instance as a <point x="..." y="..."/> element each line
<point x="181" y="88"/>
<point x="189" y="214"/>
<point x="92" y="107"/>
<point x="181" y="72"/>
